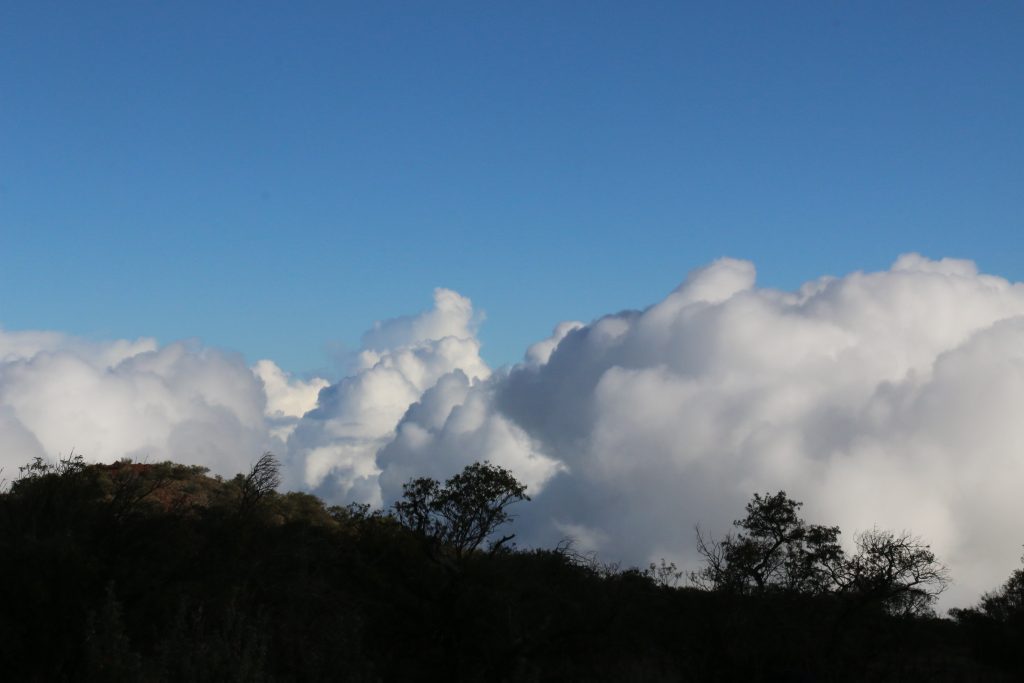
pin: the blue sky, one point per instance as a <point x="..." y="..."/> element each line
<point x="273" y="177"/>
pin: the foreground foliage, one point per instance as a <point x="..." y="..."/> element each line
<point x="775" y="550"/>
<point x="132" y="572"/>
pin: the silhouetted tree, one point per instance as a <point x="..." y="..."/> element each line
<point x="66" y="467"/>
<point x="895" y="570"/>
<point x="464" y="512"/>
<point x="263" y="478"/>
<point x="665" y="574"/>
<point x="775" y="549"/>
<point x="996" y="625"/>
<point x="1007" y="603"/>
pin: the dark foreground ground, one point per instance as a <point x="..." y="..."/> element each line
<point x="161" y="573"/>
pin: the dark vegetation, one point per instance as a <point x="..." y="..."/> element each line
<point x="158" y="572"/>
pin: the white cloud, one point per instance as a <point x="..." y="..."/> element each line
<point x="540" y="352"/>
<point x="127" y="399"/>
<point x="452" y="316"/>
<point x="288" y="398"/>
<point x="455" y="423"/>
<point x="333" y="450"/>
<point x="888" y="398"/>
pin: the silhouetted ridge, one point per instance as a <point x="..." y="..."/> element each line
<point x="160" y="572"/>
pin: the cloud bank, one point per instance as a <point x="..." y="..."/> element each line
<point x="127" y="399"/>
<point x="889" y="398"/>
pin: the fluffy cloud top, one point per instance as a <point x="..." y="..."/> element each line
<point x="886" y="398"/>
<point x="288" y="398"/>
<point x="333" y="450"/>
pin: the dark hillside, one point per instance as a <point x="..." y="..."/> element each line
<point x="162" y="573"/>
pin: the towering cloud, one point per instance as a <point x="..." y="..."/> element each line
<point x="333" y="450"/>
<point x="889" y="398"/>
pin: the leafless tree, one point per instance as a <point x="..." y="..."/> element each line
<point x="895" y="569"/>
<point x="263" y="478"/>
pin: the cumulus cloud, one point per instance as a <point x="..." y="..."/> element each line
<point x="456" y="423"/>
<point x="540" y="353"/>
<point x="334" y="447"/>
<point x="887" y="398"/>
<point x="451" y="317"/>
<point x="288" y="398"/>
<point x="127" y="399"/>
